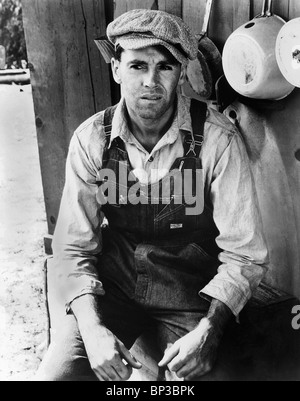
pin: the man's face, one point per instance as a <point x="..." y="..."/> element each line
<point x="149" y="78"/>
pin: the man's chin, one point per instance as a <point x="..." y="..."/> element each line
<point x="151" y="113"/>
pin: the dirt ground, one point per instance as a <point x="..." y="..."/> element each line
<point x="22" y="228"/>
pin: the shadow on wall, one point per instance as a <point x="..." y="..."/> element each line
<point x="272" y="136"/>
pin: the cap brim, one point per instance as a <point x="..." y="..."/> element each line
<point x="135" y="43"/>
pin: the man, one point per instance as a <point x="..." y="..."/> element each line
<point x="180" y="260"/>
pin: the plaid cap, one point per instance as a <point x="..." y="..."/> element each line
<point x="140" y="28"/>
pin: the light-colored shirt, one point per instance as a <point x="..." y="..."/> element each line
<point x="228" y="181"/>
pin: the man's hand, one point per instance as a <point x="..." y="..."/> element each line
<point x="194" y="355"/>
<point x="108" y="356"/>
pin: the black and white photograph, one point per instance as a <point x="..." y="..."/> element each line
<point x="150" y="193"/>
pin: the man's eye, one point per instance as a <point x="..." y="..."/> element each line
<point x="137" y="67"/>
<point x="165" y="67"/>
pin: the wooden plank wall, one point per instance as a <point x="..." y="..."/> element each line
<point x="69" y="78"/>
<point x="226" y="15"/>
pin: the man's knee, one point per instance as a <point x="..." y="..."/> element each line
<point x="58" y="365"/>
<point x="66" y="358"/>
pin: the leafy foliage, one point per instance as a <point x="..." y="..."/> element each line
<point x="12" y="32"/>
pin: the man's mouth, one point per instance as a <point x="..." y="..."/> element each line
<point x="151" y="97"/>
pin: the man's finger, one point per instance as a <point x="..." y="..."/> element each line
<point x="101" y="375"/>
<point x="176" y="363"/>
<point x="113" y="374"/>
<point x="187" y="369"/>
<point x="129" y="358"/>
<point x="196" y="373"/>
<point x="169" y="355"/>
<point x="123" y="370"/>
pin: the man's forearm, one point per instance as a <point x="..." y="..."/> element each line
<point x="87" y="313"/>
<point x="219" y="314"/>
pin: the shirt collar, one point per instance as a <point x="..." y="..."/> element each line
<point x="181" y="122"/>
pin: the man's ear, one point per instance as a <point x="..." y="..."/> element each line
<point x="115" y="67"/>
<point x="182" y="77"/>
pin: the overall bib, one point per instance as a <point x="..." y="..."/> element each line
<point x="155" y="255"/>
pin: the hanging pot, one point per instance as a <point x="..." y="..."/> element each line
<point x="249" y="58"/>
<point x="203" y="73"/>
<point x="209" y="49"/>
<point x="288" y="51"/>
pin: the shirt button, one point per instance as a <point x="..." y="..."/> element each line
<point x="150" y="160"/>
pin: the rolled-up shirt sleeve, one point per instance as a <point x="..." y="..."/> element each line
<point x="244" y="255"/>
<point x="77" y="239"/>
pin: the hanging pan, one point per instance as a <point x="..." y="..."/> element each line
<point x="209" y="49"/>
<point x="106" y="48"/>
<point x="249" y="58"/>
<point x="203" y="73"/>
<point x="288" y="51"/>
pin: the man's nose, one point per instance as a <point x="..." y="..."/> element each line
<point x="151" y="78"/>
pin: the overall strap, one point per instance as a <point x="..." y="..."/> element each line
<point x="193" y="143"/>
<point x="108" y="117"/>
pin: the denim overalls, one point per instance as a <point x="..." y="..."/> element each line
<point x="154" y="252"/>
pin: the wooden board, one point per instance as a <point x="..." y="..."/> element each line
<point x="294" y="9"/>
<point x="109" y="10"/>
<point x="281" y="8"/>
<point x="241" y="13"/>
<point x="122" y="6"/>
<point x="147" y="4"/>
<point x="69" y="78"/>
<point x="221" y="23"/>
<point x="171" y="6"/>
<point x="193" y="14"/>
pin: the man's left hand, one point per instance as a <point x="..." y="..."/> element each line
<point x="193" y="355"/>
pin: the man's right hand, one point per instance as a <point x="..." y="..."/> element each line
<point x="108" y="356"/>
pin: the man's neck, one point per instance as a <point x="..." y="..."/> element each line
<point x="149" y="132"/>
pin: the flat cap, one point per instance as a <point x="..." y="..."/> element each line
<point x="141" y="28"/>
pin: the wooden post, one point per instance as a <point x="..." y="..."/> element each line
<point x="69" y="78"/>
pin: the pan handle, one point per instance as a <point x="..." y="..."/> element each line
<point x="269" y="10"/>
<point x="264" y="9"/>
<point x="206" y="17"/>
